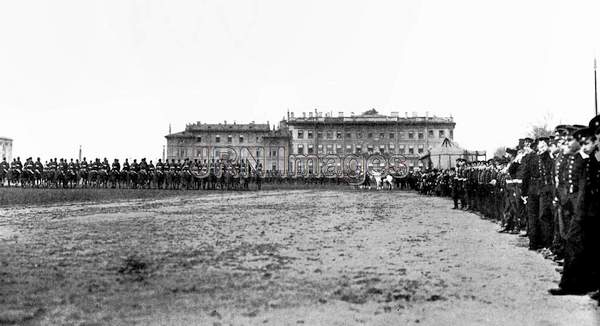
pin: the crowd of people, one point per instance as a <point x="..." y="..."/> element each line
<point x="546" y="189"/>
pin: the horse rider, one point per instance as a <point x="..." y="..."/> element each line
<point x="143" y="165"/>
<point x="4" y="165"/>
<point x="83" y="166"/>
<point x="39" y="167"/>
<point x="116" y="166"/>
<point x="135" y="167"/>
<point x="151" y="167"/>
<point x="126" y="165"/>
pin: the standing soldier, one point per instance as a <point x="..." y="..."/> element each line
<point x="259" y="175"/>
<point x="580" y="267"/>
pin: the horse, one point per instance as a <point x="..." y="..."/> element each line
<point x="14" y="176"/>
<point x="388" y="182"/>
<point x="83" y="175"/>
<point x="113" y="178"/>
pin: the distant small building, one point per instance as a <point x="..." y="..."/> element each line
<point x="445" y="156"/>
<point x="6" y="147"/>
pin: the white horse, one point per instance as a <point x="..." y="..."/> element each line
<point x="378" y="180"/>
<point x="388" y="181"/>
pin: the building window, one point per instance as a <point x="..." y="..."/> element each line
<point x="442" y="134"/>
<point x="338" y="135"/>
<point x="411" y="150"/>
<point x="391" y="135"/>
<point x="401" y="149"/>
<point x="411" y="135"/>
<point x="320" y="149"/>
<point x="381" y="149"/>
<point x="320" y="135"/>
<point x="338" y="149"/>
<point x="348" y="149"/>
<point x="329" y="135"/>
<point x="420" y="150"/>
<point x="329" y="149"/>
<point x="451" y="134"/>
<point x="420" y="135"/>
<point x="370" y="135"/>
<point x="229" y="139"/>
<point x="359" y="135"/>
<point x="348" y="135"/>
<point x="430" y="133"/>
<point x="198" y="152"/>
<point x="217" y="139"/>
<point x="392" y="148"/>
<point x="300" y="134"/>
<point x="310" y="134"/>
<point x="358" y="149"/>
<point x="310" y="149"/>
<point x="381" y="135"/>
<point x="370" y="149"/>
<point x="198" y="139"/>
<point x="241" y="139"/>
<point x="300" y="149"/>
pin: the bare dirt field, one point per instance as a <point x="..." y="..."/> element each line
<point x="312" y="257"/>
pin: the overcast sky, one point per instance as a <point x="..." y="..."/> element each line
<point x="112" y="75"/>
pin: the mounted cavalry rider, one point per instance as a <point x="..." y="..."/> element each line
<point x="83" y="166"/>
<point x="4" y="165"/>
<point x="135" y="166"/>
<point x="143" y="165"/>
<point x="159" y="166"/>
<point x="39" y="167"/>
<point x="151" y="167"/>
<point x="116" y="166"/>
<point x="126" y="165"/>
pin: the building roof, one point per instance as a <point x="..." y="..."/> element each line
<point x="5" y="138"/>
<point x="192" y="129"/>
<point x="371" y="119"/>
<point x="228" y="127"/>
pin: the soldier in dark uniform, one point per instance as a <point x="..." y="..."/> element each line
<point x="258" y="173"/>
<point x="116" y="166"/>
<point x="581" y="260"/>
<point x="537" y="189"/>
<point x="135" y="167"/>
<point x="458" y="185"/>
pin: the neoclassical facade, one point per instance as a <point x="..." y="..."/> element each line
<point x="253" y="141"/>
<point x="370" y="133"/>
<point x="6" y="148"/>
<point x="314" y="133"/>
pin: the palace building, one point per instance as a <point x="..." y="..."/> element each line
<point x="203" y="141"/>
<point x="315" y="133"/>
<point x="6" y="148"/>
<point x="368" y="133"/>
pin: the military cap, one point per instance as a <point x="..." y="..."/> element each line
<point x="539" y="139"/>
<point x="582" y="134"/>
<point x="511" y="151"/>
<point x="594" y="124"/>
<point x="560" y="129"/>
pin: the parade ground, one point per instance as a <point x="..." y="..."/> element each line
<point x="311" y="257"/>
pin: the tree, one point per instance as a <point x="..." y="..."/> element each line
<point x="371" y="112"/>
<point x="499" y="152"/>
<point x="543" y="128"/>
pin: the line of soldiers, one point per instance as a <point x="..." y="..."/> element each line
<point x="35" y="173"/>
<point x="546" y="189"/>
